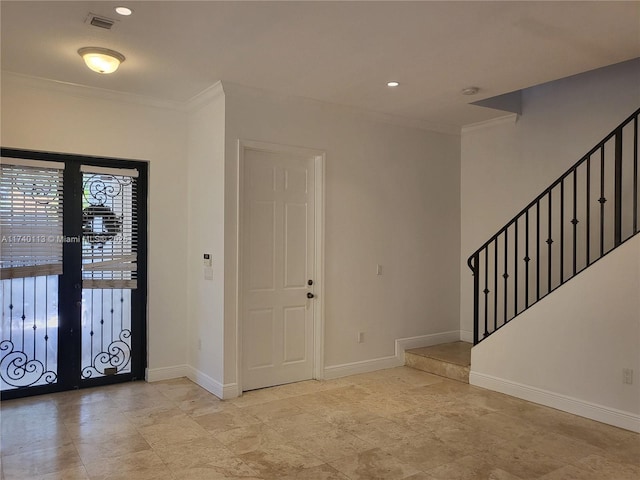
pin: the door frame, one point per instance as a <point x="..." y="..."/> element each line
<point x="140" y="301"/>
<point x="318" y="305"/>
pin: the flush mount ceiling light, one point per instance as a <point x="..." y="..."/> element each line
<point x="125" y="11"/>
<point x="470" y="90"/>
<point x="101" y="60"/>
<point x="392" y="84"/>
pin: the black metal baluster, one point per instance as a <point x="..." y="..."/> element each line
<point x="526" y="261"/>
<point x="486" y="290"/>
<point x="505" y="275"/>
<point x="602" y="201"/>
<point x="515" y="271"/>
<point x="495" y="286"/>
<point x="538" y="250"/>
<point x="635" y="175"/>
<point x="561" y="231"/>
<point x="476" y="295"/>
<point x="549" y="242"/>
<point x="617" y="234"/>
<point x="574" y="221"/>
<point x="588" y="213"/>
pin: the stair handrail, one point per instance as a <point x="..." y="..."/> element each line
<point x="616" y="135"/>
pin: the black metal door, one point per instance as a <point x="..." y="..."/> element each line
<point x="73" y="263"/>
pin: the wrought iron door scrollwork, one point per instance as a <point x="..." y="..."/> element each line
<point x="16" y="370"/>
<point x="117" y="355"/>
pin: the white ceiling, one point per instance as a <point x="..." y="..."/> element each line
<point x="338" y="52"/>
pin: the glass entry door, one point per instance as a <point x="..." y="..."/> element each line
<point x="73" y="271"/>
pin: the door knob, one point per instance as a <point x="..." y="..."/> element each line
<point x="310" y="295"/>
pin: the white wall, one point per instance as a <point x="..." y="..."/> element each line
<point x="206" y="235"/>
<point x="42" y="115"/>
<point x="392" y="198"/>
<point x="505" y="165"/>
<point x="568" y="351"/>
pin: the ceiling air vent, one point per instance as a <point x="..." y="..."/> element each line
<point x="100" y="22"/>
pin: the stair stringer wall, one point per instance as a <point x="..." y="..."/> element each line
<point x="569" y="350"/>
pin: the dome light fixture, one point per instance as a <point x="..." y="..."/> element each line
<point x="124" y="11"/>
<point x="392" y="84"/>
<point x="470" y="90"/>
<point x="101" y="60"/>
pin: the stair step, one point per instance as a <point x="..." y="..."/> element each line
<point x="450" y="360"/>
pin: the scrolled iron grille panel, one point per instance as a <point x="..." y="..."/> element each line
<point x="29" y="345"/>
<point x="109" y="231"/>
<point x="109" y="258"/>
<point x="106" y="332"/>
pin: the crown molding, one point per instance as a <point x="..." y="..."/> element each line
<point x="512" y="118"/>
<point x="78" y="90"/>
<point x="206" y="96"/>
<point x="243" y="90"/>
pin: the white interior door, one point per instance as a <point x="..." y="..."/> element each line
<point x="278" y="247"/>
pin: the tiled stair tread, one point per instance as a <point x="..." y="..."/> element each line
<point x="458" y="353"/>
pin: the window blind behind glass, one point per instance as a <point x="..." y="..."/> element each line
<point x="110" y="228"/>
<point x="31" y="236"/>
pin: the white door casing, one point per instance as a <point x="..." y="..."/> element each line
<point x="280" y="328"/>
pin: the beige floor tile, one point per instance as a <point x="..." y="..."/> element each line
<point x="395" y="423"/>
<point x="523" y="462"/>
<point x="470" y="468"/>
<point x="252" y="437"/>
<point x="625" y="452"/>
<point x="321" y="472"/>
<point x="606" y="468"/>
<point x="571" y="472"/>
<point x="40" y="462"/>
<point x="300" y="426"/>
<point x="279" y="461"/>
<point x="73" y="473"/>
<point x="139" y="465"/>
<point x="373" y="465"/>
<point x="153" y="415"/>
<point x="212" y="473"/>
<point x="178" y="429"/>
<point x="422" y="453"/>
<point x="229" y="467"/>
<point x="192" y="453"/>
<point x="265" y="412"/>
<point x="96" y="448"/>
<point x="333" y="444"/>
<point x="381" y="432"/>
<point x="23" y="440"/>
<point x="222" y="421"/>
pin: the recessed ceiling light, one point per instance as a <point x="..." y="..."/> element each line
<point x="126" y="11"/>
<point x="101" y="60"/>
<point x="470" y="90"/>
<point x="392" y="84"/>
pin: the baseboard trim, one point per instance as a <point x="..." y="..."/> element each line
<point x="599" y="413"/>
<point x="403" y="344"/>
<point x="466" y="336"/>
<point x="165" y="373"/>
<point x="222" y="391"/>
<point x="396" y="360"/>
<point x="362" y="366"/>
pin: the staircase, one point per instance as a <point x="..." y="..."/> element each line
<point x="585" y="214"/>
<point x="450" y="360"/>
<point x="582" y="216"/>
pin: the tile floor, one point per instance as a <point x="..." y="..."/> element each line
<point x="392" y="424"/>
